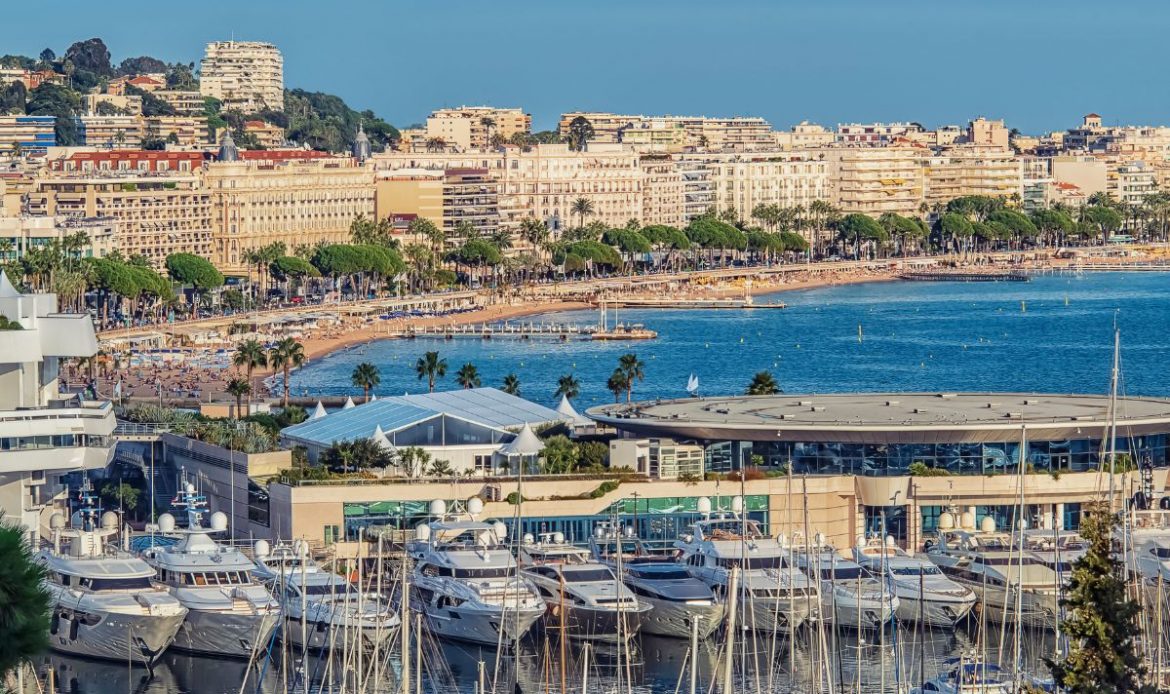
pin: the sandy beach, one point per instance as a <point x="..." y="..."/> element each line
<point x="190" y="384"/>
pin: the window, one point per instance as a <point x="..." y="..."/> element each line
<point x="483" y="463"/>
<point x="332" y="534"/>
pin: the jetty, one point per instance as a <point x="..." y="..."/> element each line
<point x="529" y="331"/>
<point x="964" y="277"/>
<point x="667" y="302"/>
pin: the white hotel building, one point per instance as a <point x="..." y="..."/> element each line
<point x="44" y="434"/>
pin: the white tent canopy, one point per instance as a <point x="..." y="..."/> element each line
<point x="318" y="411"/>
<point x="348" y="404"/>
<point x="526" y="443"/>
<point x="379" y="439"/>
<point x="566" y="409"/>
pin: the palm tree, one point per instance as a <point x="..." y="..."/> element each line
<point x="250" y="355"/>
<point x="618" y="383"/>
<point x="568" y="386"/>
<point x="512" y="385"/>
<point x="285" y="355"/>
<point x="365" y="376"/>
<point x="467" y="376"/>
<point x="24" y="611"/>
<point x="436" y="144"/>
<point x="763" y="383"/>
<point x="634" y="370"/>
<point x="239" y="387"/>
<point x="488" y="124"/>
<point x="582" y="207"/>
<point x="430" y="367"/>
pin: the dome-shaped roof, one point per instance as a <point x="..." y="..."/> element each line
<point x="361" y="144"/>
<point x="227" y="148"/>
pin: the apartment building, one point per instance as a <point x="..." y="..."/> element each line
<point x="699" y="196"/>
<point x="110" y="132"/>
<point x="873" y="180"/>
<point x="804" y="135"/>
<point x="247" y="76"/>
<point x="474" y="127"/>
<point x="544" y="181"/>
<point x="971" y="170"/>
<point x="157" y="214"/>
<point x="1130" y="182"/>
<point x="184" y="131"/>
<point x="27" y="134"/>
<point x="44" y="434"/>
<point x="988" y="133"/>
<point x="409" y="194"/>
<point x="742" y="182"/>
<point x="25" y="233"/>
<point x="1089" y="174"/>
<point x="877" y="134"/>
<point x="131" y="104"/>
<point x="657" y="135"/>
<point x="296" y="197"/>
<point x="185" y="103"/>
<point x="736" y="133"/>
<point x="1090" y="135"/>
<point x="662" y="191"/>
<point x="267" y="135"/>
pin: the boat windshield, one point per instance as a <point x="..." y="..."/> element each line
<point x="923" y="570"/>
<point x="588" y="575"/>
<point x="659" y="574"/>
<point x="98" y="584"/>
<point x="843" y="573"/>
<point x="328" y="590"/>
<point x="492" y="572"/>
<point x="755" y="563"/>
<point x="628" y="547"/>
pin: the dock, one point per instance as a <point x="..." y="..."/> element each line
<point x="529" y="331"/>
<point x="964" y="277"/>
<point x="668" y="303"/>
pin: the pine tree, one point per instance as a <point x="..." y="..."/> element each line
<point x="1102" y="619"/>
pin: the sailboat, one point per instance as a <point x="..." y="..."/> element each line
<point x="693" y="386"/>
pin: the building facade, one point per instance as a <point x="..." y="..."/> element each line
<point x="787" y="179"/>
<point x="110" y="132"/>
<point x="247" y="76"/>
<point x="474" y="127"/>
<point x="27" y="134"/>
<point x="295" y="197"/>
<point x="972" y="170"/>
<point x="26" y="233"/>
<point x="663" y="198"/>
<point x="874" y="180"/>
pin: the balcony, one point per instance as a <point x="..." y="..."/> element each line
<point x="64" y="436"/>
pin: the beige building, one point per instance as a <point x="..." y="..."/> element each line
<point x="1089" y="174"/>
<point x="736" y="133"/>
<point x="185" y="103"/>
<point x="873" y="180"/>
<point x="988" y="133"/>
<point x="741" y="182"/>
<point x="294" y="197"/>
<point x="110" y="132"/>
<point x="464" y="128"/>
<point x="972" y="170"/>
<point x="804" y="135"/>
<point x="156" y="215"/>
<point x="186" y="131"/>
<point x="543" y="181"/>
<point x="131" y="104"/>
<point x="1129" y="183"/>
<point x="27" y="133"/>
<point x="267" y="135"/>
<point x="662" y="191"/>
<point x="26" y="233"/>
<point x="447" y="198"/>
<point x="409" y="192"/>
<point x="657" y="135"/>
<point x="244" y="75"/>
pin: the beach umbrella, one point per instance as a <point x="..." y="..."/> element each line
<point x="318" y="411"/>
<point x="348" y="404"/>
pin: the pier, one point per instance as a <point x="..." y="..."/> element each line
<point x="521" y="331"/>
<point x="667" y="302"/>
<point x="964" y="277"/>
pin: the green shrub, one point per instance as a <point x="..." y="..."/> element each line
<point x="921" y="469"/>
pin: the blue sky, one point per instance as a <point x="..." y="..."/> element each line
<point x="1039" y="64"/>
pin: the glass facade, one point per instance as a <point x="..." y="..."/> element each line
<point x="1076" y="455"/>
<point x="1004" y="516"/>
<point x="656" y="519"/>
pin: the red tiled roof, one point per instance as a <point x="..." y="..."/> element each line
<point x="1067" y="186"/>
<point x="143" y="79"/>
<point x="255" y="124"/>
<point x="1092" y="115"/>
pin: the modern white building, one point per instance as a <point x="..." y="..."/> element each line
<point x="244" y="75"/>
<point x="44" y="434"/>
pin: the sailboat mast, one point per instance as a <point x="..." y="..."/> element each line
<point x="1113" y="416"/>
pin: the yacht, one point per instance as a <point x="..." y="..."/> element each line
<point x="850" y="595"/>
<point x="322" y="610"/>
<point x="585" y="599"/>
<point x="773" y="594"/>
<point x="924" y="593"/>
<point x="230" y="613"/>
<point x="466" y="581"/>
<point x="1010" y="582"/>
<point x="968" y="677"/>
<point x="677" y="599"/>
<point x="104" y="601"/>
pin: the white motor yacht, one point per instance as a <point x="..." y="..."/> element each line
<point x="466" y="581"/>
<point x="230" y="613"/>
<point x="585" y="599"/>
<point x="1010" y="582"/>
<point x="850" y="595"/>
<point x="924" y="593"/>
<point x="104" y="601"/>
<point x="773" y="594"/>
<point x="322" y="609"/>
<point x="971" y="677"/>
<point x="677" y="599"/>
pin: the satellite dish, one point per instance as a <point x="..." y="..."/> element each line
<point x="190" y="488"/>
<point x="889" y="540"/>
<point x="301" y="548"/>
<point x="109" y="520"/>
<point x="438" y="507"/>
<point x="987" y="525"/>
<point x="629" y="531"/>
<point x="501" y="530"/>
<point x="967" y="520"/>
<point x="737" y="504"/>
<point x="57" y="521"/>
<point x="946" y="521"/>
<point x="166" y="523"/>
<point x="422" y="532"/>
<point x="599" y="532"/>
<point x="704" y="505"/>
<point x="475" y="505"/>
<point x="261" y="549"/>
<point x="219" y="521"/>
<point x="528" y="538"/>
<point x="559" y="538"/>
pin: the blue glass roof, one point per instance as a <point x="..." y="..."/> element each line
<point x="486" y="406"/>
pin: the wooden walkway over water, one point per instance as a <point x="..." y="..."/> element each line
<point x="488" y="331"/>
